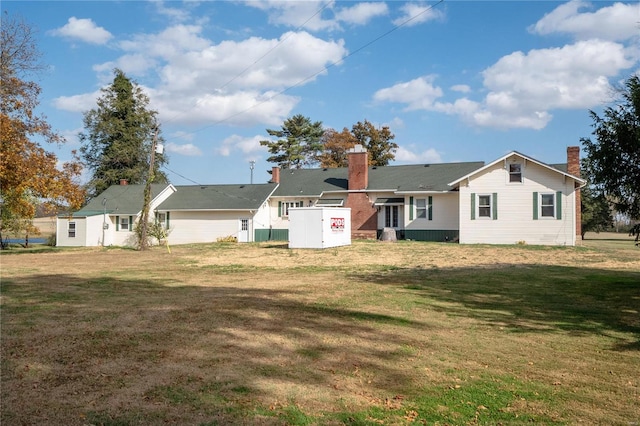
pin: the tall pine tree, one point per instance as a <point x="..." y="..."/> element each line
<point x="298" y="143"/>
<point x="118" y="137"/>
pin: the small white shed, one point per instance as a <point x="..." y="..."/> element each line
<point x="319" y="227"/>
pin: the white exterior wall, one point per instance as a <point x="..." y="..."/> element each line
<point x="262" y="219"/>
<point x="62" y="232"/>
<point x="94" y="231"/>
<point x="445" y="213"/>
<point x="515" y="221"/>
<point x="205" y="226"/>
<point x="282" y="222"/>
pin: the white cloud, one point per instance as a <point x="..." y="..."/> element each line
<point x="204" y="83"/>
<point x="573" y="76"/>
<point x="134" y="64"/>
<point x="174" y="14"/>
<point x="187" y="149"/>
<point x="405" y="155"/>
<point x="71" y="136"/>
<point x="419" y="93"/>
<point x="77" y="103"/>
<point x="417" y="13"/>
<point x="361" y="13"/>
<point x="462" y="88"/>
<point x="617" y="22"/>
<point x="523" y="88"/>
<point x="248" y="146"/>
<point x="84" y="30"/>
<point x="232" y="64"/>
<point x="307" y="14"/>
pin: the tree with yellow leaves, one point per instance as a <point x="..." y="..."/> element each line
<point x="29" y="175"/>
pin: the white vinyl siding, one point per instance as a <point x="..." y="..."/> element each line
<point x="443" y="213"/>
<point x="515" y="221"/>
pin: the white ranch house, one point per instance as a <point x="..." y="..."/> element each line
<point x="510" y="200"/>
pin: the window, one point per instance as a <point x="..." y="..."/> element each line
<point x="244" y="224"/>
<point x="547" y="207"/>
<point x="421" y="208"/>
<point x="284" y="207"/>
<point x="484" y="206"/>
<point x="515" y="172"/>
<point x="72" y="229"/>
<point x="124" y="223"/>
<point x="161" y="218"/>
<point x="391" y="216"/>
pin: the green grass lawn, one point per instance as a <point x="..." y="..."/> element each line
<point x="374" y="333"/>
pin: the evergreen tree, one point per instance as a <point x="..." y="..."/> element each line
<point x="612" y="162"/>
<point x="118" y="137"/>
<point x="596" y="212"/>
<point x="298" y="143"/>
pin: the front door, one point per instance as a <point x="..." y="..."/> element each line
<point x="392" y="217"/>
<point x="243" y="231"/>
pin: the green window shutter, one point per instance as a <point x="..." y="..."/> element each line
<point x="430" y="208"/>
<point x="410" y="208"/>
<point x="495" y="206"/>
<point x="117" y="223"/>
<point x="130" y="223"/>
<point x="279" y="208"/>
<point x="473" y="206"/>
<point x="559" y="205"/>
<point x="535" y="206"/>
<point x="167" y="220"/>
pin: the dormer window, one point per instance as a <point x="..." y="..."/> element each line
<point x="515" y="172"/>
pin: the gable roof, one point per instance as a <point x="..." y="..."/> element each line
<point x="120" y="199"/>
<point x="558" y="168"/>
<point x="406" y="178"/>
<point x="218" y="197"/>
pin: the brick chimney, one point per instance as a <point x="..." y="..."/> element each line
<point x="358" y="168"/>
<point x="573" y="168"/>
<point x="364" y="218"/>
<point x="124" y="182"/>
<point x="275" y="174"/>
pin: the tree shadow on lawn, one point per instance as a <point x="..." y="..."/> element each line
<point x="530" y="298"/>
<point x="73" y="345"/>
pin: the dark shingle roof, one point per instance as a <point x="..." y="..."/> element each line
<point x="121" y="199"/>
<point x="562" y="167"/>
<point x="218" y="197"/>
<point x="416" y="177"/>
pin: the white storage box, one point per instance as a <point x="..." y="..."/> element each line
<point x="319" y="227"/>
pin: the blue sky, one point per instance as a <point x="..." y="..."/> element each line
<point x="454" y="81"/>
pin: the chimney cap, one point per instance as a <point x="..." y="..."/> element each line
<point x="357" y="148"/>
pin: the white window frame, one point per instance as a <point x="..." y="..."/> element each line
<point x="542" y="206"/>
<point x="483" y="207"/>
<point x="422" y="208"/>
<point x="71" y="230"/>
<point x="124" y="223"/>
<point x="161" y="218"/>
<point x="391" y="216"/>
<point x="286" y="205"/>
<point x="511" y="174"/>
